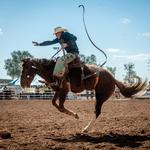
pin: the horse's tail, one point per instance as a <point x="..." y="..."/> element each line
<point x="132" y="90"/>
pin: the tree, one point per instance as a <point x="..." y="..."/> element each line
<point x="112" y="70"/>
<point x="130" y="72"/>
<point x="13" y="65"/>
<point x="88" y="59"/>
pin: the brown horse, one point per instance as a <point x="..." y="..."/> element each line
<point x="103" y="84"/>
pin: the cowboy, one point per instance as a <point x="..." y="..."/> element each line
<point x="67" y="42"/>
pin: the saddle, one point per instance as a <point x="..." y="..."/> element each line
<point x="67" y="66"/>
<point x="75" y="63"/>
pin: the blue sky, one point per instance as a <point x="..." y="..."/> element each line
<point x="121" y="28"/>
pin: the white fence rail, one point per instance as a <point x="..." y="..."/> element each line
<point x="47" y="94"/>
<point x="9" y="95"/>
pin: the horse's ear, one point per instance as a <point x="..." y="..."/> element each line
<point x="25" y="59"/>
<point x="22" y="60"/>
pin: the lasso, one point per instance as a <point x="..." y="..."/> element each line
<point x="90" y="38"/>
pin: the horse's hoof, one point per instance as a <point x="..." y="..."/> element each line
<point x="76" y="116"/>
<point x="85" y="130"/>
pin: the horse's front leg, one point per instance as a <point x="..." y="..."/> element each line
<point x="61" y="107"/>
<point x="65" y="110"/>
<point x="69" y="112"/>
<point x="55" y="97"/>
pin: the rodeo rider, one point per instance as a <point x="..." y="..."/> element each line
<point x="67" y="42"/>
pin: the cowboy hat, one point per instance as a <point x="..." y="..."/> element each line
<point x="58" y="29"/>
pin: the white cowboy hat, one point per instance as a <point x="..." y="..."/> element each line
<point x="58" y="29"/>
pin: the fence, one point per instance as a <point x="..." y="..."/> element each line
<point x="27" y="94"/>
<point x="31" y="93"/>
<point x="46" y="93"/>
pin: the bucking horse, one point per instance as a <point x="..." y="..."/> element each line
<point x="98" y="79"/>
<point x="79" y="77"/>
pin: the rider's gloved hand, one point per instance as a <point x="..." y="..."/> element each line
<point x="35" y="43"/>
<point x="63" y="45"/>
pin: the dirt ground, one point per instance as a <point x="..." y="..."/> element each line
<point x="37" y="125"/>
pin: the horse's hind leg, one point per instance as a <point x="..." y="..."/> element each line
<point x="104" y="89"/>
<point x="99" y="101"/>
<point x="89" y="126"/>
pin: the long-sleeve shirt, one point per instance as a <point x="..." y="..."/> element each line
<point x="67" y="38"/>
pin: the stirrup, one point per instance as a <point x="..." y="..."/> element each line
<point x="61" y="84"/>
<point x="54" y="83"/>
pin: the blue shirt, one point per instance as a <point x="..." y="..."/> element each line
<point x="65" y="37"/>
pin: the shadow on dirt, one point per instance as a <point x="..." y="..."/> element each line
<point x="119" y="140"/>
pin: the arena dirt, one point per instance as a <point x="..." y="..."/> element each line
<point x="38" y="125"/>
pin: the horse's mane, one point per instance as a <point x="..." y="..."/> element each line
<point x="39" y="62"/>
<point x="43" y="61"/>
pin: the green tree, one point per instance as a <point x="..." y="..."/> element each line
<point x="13" y="65"/>
<point x="129" y="72"/>
<point x="88" y="59"/>
<point x="112" y="70"/>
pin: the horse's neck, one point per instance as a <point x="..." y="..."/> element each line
<point x="46" y="74"/>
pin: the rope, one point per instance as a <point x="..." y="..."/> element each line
<point x="66" y="64"/>
<point x="90" y="38"/>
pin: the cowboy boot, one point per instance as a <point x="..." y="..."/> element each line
<point x="54" y="83"/>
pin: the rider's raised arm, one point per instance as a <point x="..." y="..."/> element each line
<point x="45" y="43"/>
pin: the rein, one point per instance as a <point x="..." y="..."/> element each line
<point x="56" y="53"/>
<point x="90" y="38"/>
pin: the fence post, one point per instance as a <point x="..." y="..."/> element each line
<point x="3" y="95"/>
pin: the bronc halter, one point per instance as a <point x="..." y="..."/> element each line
<point x="27" y="74"/>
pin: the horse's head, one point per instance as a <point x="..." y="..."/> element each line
<point x="29" y="69"/>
